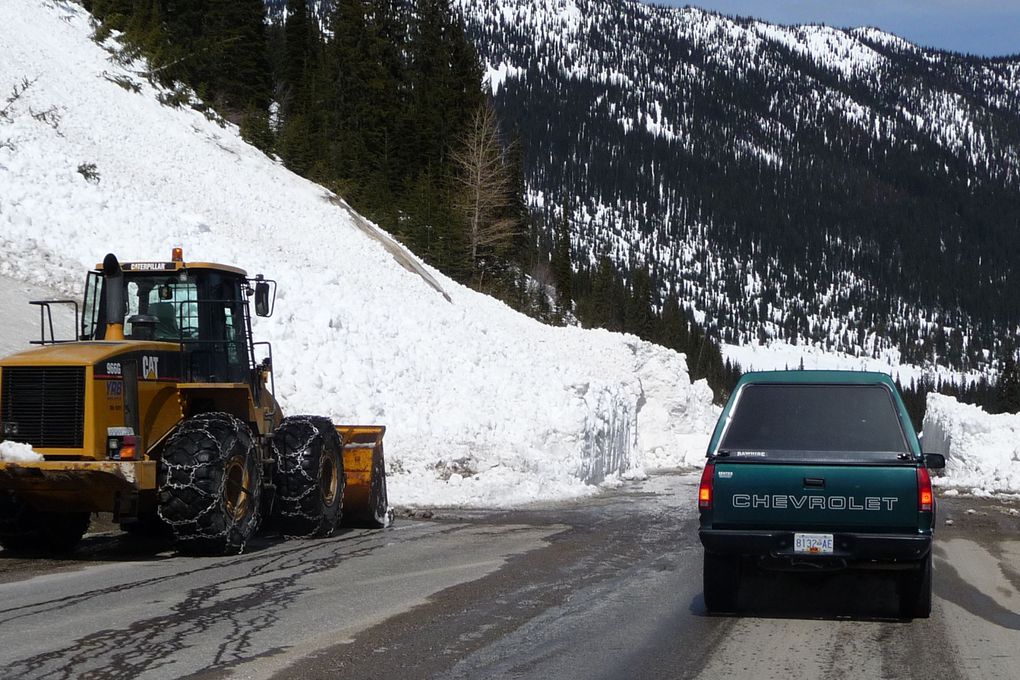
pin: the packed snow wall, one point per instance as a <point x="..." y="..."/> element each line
<point x="982" y="450"/>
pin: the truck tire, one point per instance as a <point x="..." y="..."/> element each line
<point x="310" y="476"/>
<point x="721" y="582"/>
<point x="210" y="484"/>
<point x="915" y="591"/>
<point x="26" y="530"/>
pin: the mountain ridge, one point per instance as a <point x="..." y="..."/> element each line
<point x="801" y="183"/>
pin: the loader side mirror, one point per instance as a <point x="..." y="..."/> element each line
<point x="265" y="296"/>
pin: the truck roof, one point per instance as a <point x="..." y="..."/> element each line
<point x="836" y="377"/>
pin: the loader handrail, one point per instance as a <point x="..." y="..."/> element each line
<point x="46" y="314"/>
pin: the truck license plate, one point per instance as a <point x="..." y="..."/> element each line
<point x="813" y="544"/>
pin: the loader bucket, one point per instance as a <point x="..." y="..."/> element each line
<point x="365" y="501"/>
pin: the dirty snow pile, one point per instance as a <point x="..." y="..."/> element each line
<point x="982" y="450"/>
<point x="482" y="405"/>
<point x="16" y="452"/>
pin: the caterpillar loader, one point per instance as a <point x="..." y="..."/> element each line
<point x="161" y="411"/>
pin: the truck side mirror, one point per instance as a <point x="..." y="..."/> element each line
<point x="934" y="461"/>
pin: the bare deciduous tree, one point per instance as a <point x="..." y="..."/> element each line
<point x="485" y="187"/>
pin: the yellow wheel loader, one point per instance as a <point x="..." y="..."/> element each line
<point x="161" y="411"/>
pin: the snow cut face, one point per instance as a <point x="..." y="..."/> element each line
<point x="483" y="406"/>
<point x="982" y="451"/>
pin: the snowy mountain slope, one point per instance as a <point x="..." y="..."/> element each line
<point x="483" y="406"/>
<point x="802" y="184"/>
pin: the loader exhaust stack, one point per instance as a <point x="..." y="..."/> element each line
<point x="114" y="297"/>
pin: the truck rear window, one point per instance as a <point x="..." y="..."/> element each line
<point x="814" y="418"/>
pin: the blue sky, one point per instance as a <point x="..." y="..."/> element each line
<point x="987" y="27"/>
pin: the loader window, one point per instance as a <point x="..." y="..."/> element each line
<point x="91" y="308"/>
<point x="171" y="299"/>
<point x="174" y="304"/>
<point x="222" y="351"/>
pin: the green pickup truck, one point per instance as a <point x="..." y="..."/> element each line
<point x="816" y="471"/>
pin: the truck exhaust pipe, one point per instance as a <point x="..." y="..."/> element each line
<point x="114" y="290"/>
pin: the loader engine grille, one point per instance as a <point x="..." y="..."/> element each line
<point x="44" y="405"/>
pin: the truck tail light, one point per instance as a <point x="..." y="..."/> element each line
<point x="925" y="498"/>
<point x="705" y="490"/>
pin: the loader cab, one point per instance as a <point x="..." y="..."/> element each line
<point x="201" y="308"/>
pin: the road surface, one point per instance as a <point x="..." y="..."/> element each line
<point x="609" y="587"/>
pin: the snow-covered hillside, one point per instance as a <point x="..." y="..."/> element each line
<point x="483" y="406"/>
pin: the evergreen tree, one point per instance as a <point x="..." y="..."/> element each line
<point x="300" y="35"/>
<point x="561" y="264"/>
<point x="232" y="60"/>
<point x="1008" y="388"/>
<point x="640" y="318"/>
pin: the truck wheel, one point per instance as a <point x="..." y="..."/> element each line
<point x="915" y="591"/>
<point x="721" y="582"/>
<point x="310" y="476"/>
<point x="210" y="484"/>
<point x="25" y="530"/>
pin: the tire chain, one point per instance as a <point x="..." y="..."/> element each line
<point x="291" y="505"/>
<point x="185" y="478"/>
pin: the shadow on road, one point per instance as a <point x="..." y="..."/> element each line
<point x="852" y="595"/>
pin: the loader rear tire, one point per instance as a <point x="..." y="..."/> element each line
<point x="310" y="477"/>
<point x="210" y="485"/>
<point x="25" y="530"/>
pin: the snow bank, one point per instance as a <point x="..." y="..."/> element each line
<point x="483" y="406"/>
<point x="16" y="452"/>
<point x="982" y="451"/>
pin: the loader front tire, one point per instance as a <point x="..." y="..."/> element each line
<point x="25" y="530"/>
<point x="310" y="477"/>
<point x="210" y="485"/>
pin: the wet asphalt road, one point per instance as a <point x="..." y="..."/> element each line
<point x="605" y="588"/>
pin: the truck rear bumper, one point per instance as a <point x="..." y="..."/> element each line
<point x="847" y="547"/>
